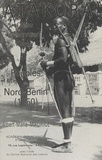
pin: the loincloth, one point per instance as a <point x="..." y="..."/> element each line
<point x="64" y="78"/>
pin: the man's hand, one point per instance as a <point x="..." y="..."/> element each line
<point x="43" y="64"/>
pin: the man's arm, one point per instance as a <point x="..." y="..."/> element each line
<point x="63" y="55"/>
<point x="62" y="51"/>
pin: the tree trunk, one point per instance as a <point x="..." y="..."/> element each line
<point x="25" y="83"/>
<point x="22" y="81"/>
<point x="23" y="99"/>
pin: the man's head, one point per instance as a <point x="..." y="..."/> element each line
<point x="62" y="23"/>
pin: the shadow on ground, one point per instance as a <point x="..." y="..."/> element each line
<point x="9" y="113"/>
<point x="89" y="114"/>
<point x="41" y="141"/>
<point x="98" y="156"/>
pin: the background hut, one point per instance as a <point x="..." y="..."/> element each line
<point x="92" y="61"/>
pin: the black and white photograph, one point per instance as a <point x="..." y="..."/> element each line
<point x="51" y="79"/>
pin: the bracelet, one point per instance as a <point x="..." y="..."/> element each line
<point x="50" y="64"/>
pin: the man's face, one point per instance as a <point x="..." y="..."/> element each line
<point x="58" y="23"/>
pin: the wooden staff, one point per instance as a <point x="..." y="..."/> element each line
<point x="75" y="52"/>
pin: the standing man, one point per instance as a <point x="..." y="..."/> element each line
<point x="63" y="81"/>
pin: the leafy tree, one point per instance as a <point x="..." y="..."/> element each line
<point x="22" y="19"/>
<point x="3" y="56"/>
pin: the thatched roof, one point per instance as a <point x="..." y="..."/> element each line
<point x="94" y="54"/>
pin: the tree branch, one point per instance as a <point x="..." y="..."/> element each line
<point x="21" y="62"/>
<point x="18" y="78"/>
<point x="24" y="67"/>
<point x="23" y="51"/>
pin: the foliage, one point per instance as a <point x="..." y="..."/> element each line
<point x="27" y="16"/>
<point x="3" y="54"/>
<point x="23" y="22"/>
<point x="34" y="58"/>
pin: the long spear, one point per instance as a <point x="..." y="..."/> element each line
<point x="75" y="44"/>
<point x="42" y="58"/>
<point x="74" y="54"/>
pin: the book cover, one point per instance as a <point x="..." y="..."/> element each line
<point x="51" y="79"/>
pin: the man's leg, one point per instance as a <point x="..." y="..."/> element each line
<point x="64" y="100"/>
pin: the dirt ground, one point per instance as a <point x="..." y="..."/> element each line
<point x="30" y="133"/>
